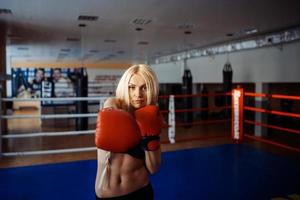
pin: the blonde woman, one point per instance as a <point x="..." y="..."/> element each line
<point x="127" y="137"/>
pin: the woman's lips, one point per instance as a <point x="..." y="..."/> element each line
<point x="138" y="101"/>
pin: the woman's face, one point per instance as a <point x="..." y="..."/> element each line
<point x="137" y="91"/>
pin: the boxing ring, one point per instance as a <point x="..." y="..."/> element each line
<point x="227" y="171"/>
<point x="273" y="112"/>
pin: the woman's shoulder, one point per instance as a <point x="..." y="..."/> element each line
<point x="112" y="102"/>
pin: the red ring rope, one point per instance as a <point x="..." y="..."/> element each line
<point x="272" y="126"/>
<point x="273" y="143"/>
<point x="275" y="96"/>
<point x="271" y="112"/>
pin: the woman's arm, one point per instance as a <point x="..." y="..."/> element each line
<point x="153" y="160"/>
<point x="103" y="161"/>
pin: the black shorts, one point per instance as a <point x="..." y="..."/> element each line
<point x="145" y="193"/>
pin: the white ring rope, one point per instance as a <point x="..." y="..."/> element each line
<point x="49" y="116"/>
<point x="53" y="116"/>
<point x="44" y="152"/>
<point x="56" y="99"/>
<point x="47" y="134"/>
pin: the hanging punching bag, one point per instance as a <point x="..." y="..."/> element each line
<point x="227" y="77"/>
<point x="82" y="106"/>
<point x="187" y="88"/>
<point x="204" y="102"/>
<point x="227" y="85"/>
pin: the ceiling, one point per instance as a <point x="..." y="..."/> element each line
<point x="131" y="31"/>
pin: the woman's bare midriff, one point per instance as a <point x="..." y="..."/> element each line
<point x="126" y="174"/>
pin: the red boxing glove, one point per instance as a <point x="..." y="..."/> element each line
<point x="150" y="122"/>
<point x="116" y="131"/>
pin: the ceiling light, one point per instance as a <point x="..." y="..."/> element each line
<point x="139" y="29"/>
<point x="108" y="57"/>
<point x="4" y="11"/>
<point x="251" y="31"/>
<point x="186" y="26"/>
<point x="23" y="48"/>
<point x="109" y="41"/>
<point x="187" y="32"/>
<point x="86" y="56"/>
<point x="94" y="51"/>
<point x="62" y="55"/>
<point x="111" y="55"/>
<point x="72" y="39"/>
<point x="87" y="18"/>
<point x="143" y="43"/>
<point x="65" y="50"/>
<point x="121" y="52"/>
<point x="140" y="21"/>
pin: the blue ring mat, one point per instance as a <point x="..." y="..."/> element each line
<point x="227" y="171"/>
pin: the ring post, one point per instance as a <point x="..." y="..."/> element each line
<point x="237" y="131"/>
<point x="171" y="129"/>
<point x="1" y="131"/>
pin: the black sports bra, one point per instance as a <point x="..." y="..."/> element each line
<point x="137" y="152"/>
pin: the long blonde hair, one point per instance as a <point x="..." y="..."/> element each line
<point x="151" y="83"/>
